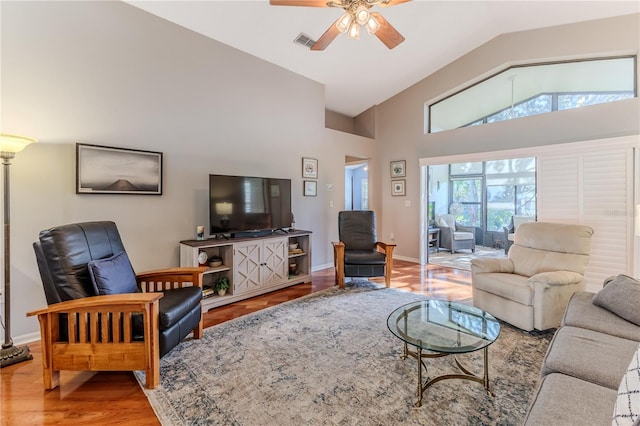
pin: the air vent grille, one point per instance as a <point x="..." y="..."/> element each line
<point x="304" y="40"/>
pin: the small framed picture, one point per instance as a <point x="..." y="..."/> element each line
<point x="309" y="168"/>
<point x="398" y="187"/>
<point x="310" y="188"/>
<point x="398" y="169"/>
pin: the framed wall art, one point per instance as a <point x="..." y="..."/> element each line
<point x="398" y="187"/>
<point x="398" y="169"/>
<point x="109" y="170"/>
<point x="310" y="188"/>
<point x="309" y="168"/>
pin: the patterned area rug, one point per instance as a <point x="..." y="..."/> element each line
<point x="329" y="359"/>
<point x="462" y="260"/>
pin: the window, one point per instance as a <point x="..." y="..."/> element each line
<point x="535" y="89"/>
<point x="487" y="194"/>
<point x="466" y="193"/>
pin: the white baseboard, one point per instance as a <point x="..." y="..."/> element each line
<point x="321" y="267"/>
<point x="26" y="338"/>
<point x="407" y="259"/>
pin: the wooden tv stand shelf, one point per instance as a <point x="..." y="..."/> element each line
<point x="253" y="265"/>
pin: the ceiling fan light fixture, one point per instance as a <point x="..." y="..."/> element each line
<point x="344" y="22"/>
<point x="354" y="31"/>
<point x="362" y="14"/>
<point x="372" y="25"/>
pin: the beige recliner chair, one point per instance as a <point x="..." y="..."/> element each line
<point x="530" y="289"/>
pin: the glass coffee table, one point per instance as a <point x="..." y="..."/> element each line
<point x="444" y="328"/>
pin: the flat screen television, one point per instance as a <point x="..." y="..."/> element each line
<point x="244" y="204"/>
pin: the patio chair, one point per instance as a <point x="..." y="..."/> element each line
<point x="454" y="236"/>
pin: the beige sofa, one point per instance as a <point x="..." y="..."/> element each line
<point x="591" y="373"/>
<point x="530" y="289"/>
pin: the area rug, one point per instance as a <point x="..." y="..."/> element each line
<point x="329" y="359"/>
<point x="463" y="260"/>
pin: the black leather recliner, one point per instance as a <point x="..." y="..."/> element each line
<point x="63" y="253"/>
<point x="359" y="253"/>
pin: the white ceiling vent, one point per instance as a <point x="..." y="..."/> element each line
<point x="304" y="40"/>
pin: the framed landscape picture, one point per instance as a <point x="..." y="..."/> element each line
<point x="398" y="169"/>
<point x="109" y="170"/>
<point x="309" y="168"/>
<point x="398" y="187"/>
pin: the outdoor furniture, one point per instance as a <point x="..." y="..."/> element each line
<point x="530" y="289"/>
<point x="509" y="231"/>
<point x="453" y="236"/>
<point x="359" y="253"/>
<point x="97" y="317"/>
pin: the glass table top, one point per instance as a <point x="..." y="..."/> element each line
<point x="444" y="326"/>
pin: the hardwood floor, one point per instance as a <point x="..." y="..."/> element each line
<point x="116" y="398"/>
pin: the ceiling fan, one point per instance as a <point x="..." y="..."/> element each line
<point x="356" y="14"/>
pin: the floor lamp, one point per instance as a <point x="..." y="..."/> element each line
<point x="9" y="145"/>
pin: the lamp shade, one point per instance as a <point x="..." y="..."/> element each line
<point x="224" y="209"/>
<point x="14" y="143"/>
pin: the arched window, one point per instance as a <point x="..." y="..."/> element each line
<point x="527" y="90"/>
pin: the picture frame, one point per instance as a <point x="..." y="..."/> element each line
<point x="398" y="169"/>
<point x="310" y="188"/>
<point x="309" y="168"/>
<point x="398" y="187"/>
<point x="110" y="170"/>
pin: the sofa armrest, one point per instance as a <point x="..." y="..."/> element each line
<point x="464" y="228"/>
<point x="554" y="278"/>
<point x="488" y="265"/>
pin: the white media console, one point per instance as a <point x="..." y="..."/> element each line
<point x="253" y="265"/>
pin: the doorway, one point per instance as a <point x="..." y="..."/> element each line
<point x="356" y="184"/>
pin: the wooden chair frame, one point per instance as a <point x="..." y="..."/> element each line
<point x="338" y="261"/>
<point x="99" y="329"/>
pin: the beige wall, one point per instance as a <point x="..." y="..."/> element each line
<point x="110" y="74"/>
<point x="400" y="120"/>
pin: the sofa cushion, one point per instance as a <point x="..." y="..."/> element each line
<point x="510" y="286"/>
<point x="621" y="296"/>
<point x="463" y="236"/>
<point x="627" y="407"/>
<point x="582" y="313"/>
<point x="566" y="400"/>
<point x="113" y="275"/>
<point x="588" y="355"/>
<point x="364" y="257"/>
<point x="176" y="303"/>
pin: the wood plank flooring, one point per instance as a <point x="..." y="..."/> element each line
<point x="104" y="398"/>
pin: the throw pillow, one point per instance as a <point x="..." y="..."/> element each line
<point x="113" y="275"/>
<point x="626" y="410"/>
<point x="621" y="296"/>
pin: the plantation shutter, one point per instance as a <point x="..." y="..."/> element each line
<point x="594" y="187"/>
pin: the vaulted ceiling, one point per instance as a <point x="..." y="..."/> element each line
<point x="358" y="74"/>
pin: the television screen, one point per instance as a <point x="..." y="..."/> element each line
<point x="246" y="203"/>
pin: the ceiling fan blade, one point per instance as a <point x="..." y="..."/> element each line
<point x="386" y="33"/>
<point x="392" y="3"/>
<point x="307" y="3"/>
<point x="326" y="38"/>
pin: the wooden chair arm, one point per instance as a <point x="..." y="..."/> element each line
<point x="166" y="279"/>
<point x="102" y="303"/>
<point x="386" y="248"/>
<point x="99" y="336"/>
<point x="338" y="262"/>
